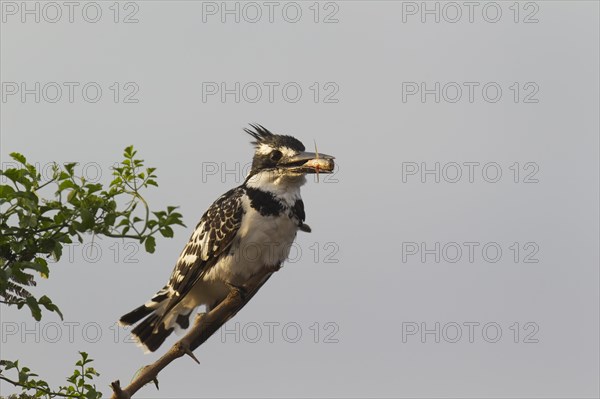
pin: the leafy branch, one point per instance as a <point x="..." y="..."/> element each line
<point x="34" y="228"/>
<point x="79" y="387"/>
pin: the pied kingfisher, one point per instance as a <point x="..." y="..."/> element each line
<point x="247" y="229"/>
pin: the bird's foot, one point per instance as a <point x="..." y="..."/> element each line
<point x="239" y="290"/>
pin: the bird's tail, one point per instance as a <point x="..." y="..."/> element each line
<point x="152" y="331"/>
<point x="135" y="315"/>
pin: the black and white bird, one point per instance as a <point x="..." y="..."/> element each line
<point x="247" y="229"/>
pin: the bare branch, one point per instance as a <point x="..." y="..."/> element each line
<point x="205" y="325"/>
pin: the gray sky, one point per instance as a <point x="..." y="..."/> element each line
<point x="464" y="209"/>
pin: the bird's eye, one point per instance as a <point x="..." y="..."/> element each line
<point x="276" y="155"/>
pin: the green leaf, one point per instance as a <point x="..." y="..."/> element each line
<point x="6" y="190"/>
<point x="28" y="221"/>
<point x="18" y="176"/>
<point x="57" y="250"/>
<point x="167" y="232"/>
<point x="63" y="175"/>
<point x="18" y="157"/>
<point x="87" y="219"/>
<point x="92" y="188"/>
<point x="39" y="265"/>
<point x="70" y="168"/>
<point x="36" y="312"/>
<point x="19" y="275"/>
<point x="150" y="244"/>
<point x="72" y="196"/>
<point x="7" y="364"/>
<point x="129" y="151"/>
<point x="43" y="267"/>
<point x="109" y="219"/>
<point x="66" y="184"/>
<point x="49" y="305"/>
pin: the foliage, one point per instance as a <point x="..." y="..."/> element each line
<point x="79" y="382"/>
<point x="33" y="229"/>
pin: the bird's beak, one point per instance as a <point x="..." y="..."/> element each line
<point x="310" y="162"/>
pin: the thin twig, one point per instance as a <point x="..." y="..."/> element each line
<point x="39" y="389"/>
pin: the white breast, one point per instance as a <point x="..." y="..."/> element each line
<point x="262" y="241"/>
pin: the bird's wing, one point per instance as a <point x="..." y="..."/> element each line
<point x="212" y="237"/>
<point x="298" y="212"/>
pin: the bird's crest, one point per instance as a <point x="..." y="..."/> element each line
<point x="260" y="133"/>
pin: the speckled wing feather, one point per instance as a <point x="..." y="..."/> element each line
<point x="212" y="238"/>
